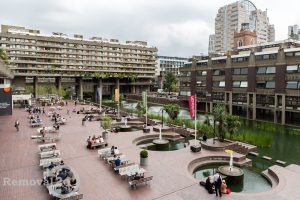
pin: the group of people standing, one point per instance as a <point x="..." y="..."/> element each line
<point x="216" y="184"/>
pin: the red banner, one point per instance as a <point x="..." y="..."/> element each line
<point x="192" y="104"/>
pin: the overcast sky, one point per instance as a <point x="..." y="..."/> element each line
<point x="175" y="27"/>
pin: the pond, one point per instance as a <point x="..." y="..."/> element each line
<point x="171" y="146"/>
<point x="253" y="181"/>
<point x="284" y="141"/>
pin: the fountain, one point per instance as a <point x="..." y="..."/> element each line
<point x="160" y="143"/>
<point x="125" y="127"/>
<point x="234" y="175"/>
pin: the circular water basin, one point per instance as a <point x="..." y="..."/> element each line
<point x="253" y="181"/>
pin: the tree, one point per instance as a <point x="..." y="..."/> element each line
<point x="3" y="56"/>
<point x="106" y="122"/>
<point x="219" y="116"/>
<point x="133" y="77"/>
<point x="141" y="109"/>
<point x="232" y="124"/>
<point x="170" y="83"/>
<point x="172" y="110"/>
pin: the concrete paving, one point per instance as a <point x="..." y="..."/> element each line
<point x="172" y="179"/>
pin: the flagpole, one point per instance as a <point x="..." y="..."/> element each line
<point x="195" y="118"/>
<point x="146" y="100"/>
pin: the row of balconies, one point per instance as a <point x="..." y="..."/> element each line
<point x="63" y="58"/>
<point x="131" y="50"/>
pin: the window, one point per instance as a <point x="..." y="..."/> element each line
<point x="292" y="69"/>
<point x="266" y="57"/>
<point x="199" y="83"/>
<point x="244" y="84"/>
<point x="244" y="71"/>
<point x="270" y="84"/>
<point x="236" y="84"/>
<point x="237" y="71"/>
<point x="219" y="72"/>
<point x="261" y="84"/>
<point x="271" y="70"/>
<point x="240" y="43"/>
<point x="222" y="84"/>
<point x="261" y="70"/>
<point x="204" y="73"/>
<point x="291" y="84"/>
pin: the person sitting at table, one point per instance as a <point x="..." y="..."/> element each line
<point x="51" y="165"/>
<point x="62" y="174"/>
<point x="112" y="150"/>
<point x="56" y="126"/>
<point x="64" y="189"/>
<point x="117" y="162"/>
<point x="101" y="139"/>
<point x="116" y="151"/>
<point x="136" y="176"/>
<point x="73" y="181"/>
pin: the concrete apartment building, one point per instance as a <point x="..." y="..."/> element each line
<point x="85" y="64"/>
<point x="229" y="20"/>
<point x="294" y="32"/>
<point x="257" y="82"/>
<point x="5" y="90"/>
<point x="166" y="64"/>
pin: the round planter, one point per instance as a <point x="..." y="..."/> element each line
<point x="143" y="161"/>
<point x="104" y="135"/>
<point x="146" y="130"/>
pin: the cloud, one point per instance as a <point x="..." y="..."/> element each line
<point x="175" y="27"/>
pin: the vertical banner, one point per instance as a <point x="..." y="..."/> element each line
<point x="117" y="95"/>
<point x="144" y="98"/>
<point x="192" y="105"/>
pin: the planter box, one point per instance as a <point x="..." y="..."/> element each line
<point x="195" y="148"/>
<point x="143" y="161"/>
<point x="146" y="130"/>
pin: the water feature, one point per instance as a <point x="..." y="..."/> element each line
<point x="253" y="181"/>
<point x="171" y="146"/>
<point x="234" y="175"/>
<point x="284" y="143"/>
<point x="161" y="144"/>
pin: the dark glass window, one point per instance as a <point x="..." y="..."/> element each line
<point x="291" y="84"/>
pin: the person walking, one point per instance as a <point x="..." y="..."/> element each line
<point x="17" y="123"/>
<point x="218" y="183"/>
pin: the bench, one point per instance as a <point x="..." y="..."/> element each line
<point x="100" y="144"/>
<point x="134" y="183"/>
<point x="36" y="124"/>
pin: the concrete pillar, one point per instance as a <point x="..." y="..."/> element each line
<point x="58" y="83"/>
<point x="210" y="107"/>
<point x="133" y="89"/>
<point x="117" y="86"/>
<point x="35" y="84"/>
<point x="283" y="110"/>
<point x="100" y="86"/>
<point x="275" y="108"/>
<point x="248" y="105"/>
<point x="79" y="91"/>
<point x="230" y="102"/>
<point x="254" y="107"/>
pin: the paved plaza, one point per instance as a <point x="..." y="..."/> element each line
<point x="172" y="179"/>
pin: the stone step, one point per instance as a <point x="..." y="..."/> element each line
<point x="270" y="178"/>
<point x="280" y="162"/>
<point x="253" y="153"/>
<point x="293" y="168"/>
<point x="145" y="145"/>
<point x="267" y="158"/>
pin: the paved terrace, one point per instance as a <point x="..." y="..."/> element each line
<point x="172" y="180"/>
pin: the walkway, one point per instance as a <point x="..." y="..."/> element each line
<point x="19" y="160"/>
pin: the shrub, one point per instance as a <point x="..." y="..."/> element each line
<point x="106" y="122"/>
<point x="172" y="110"/>
<point x="144" y="154"/>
